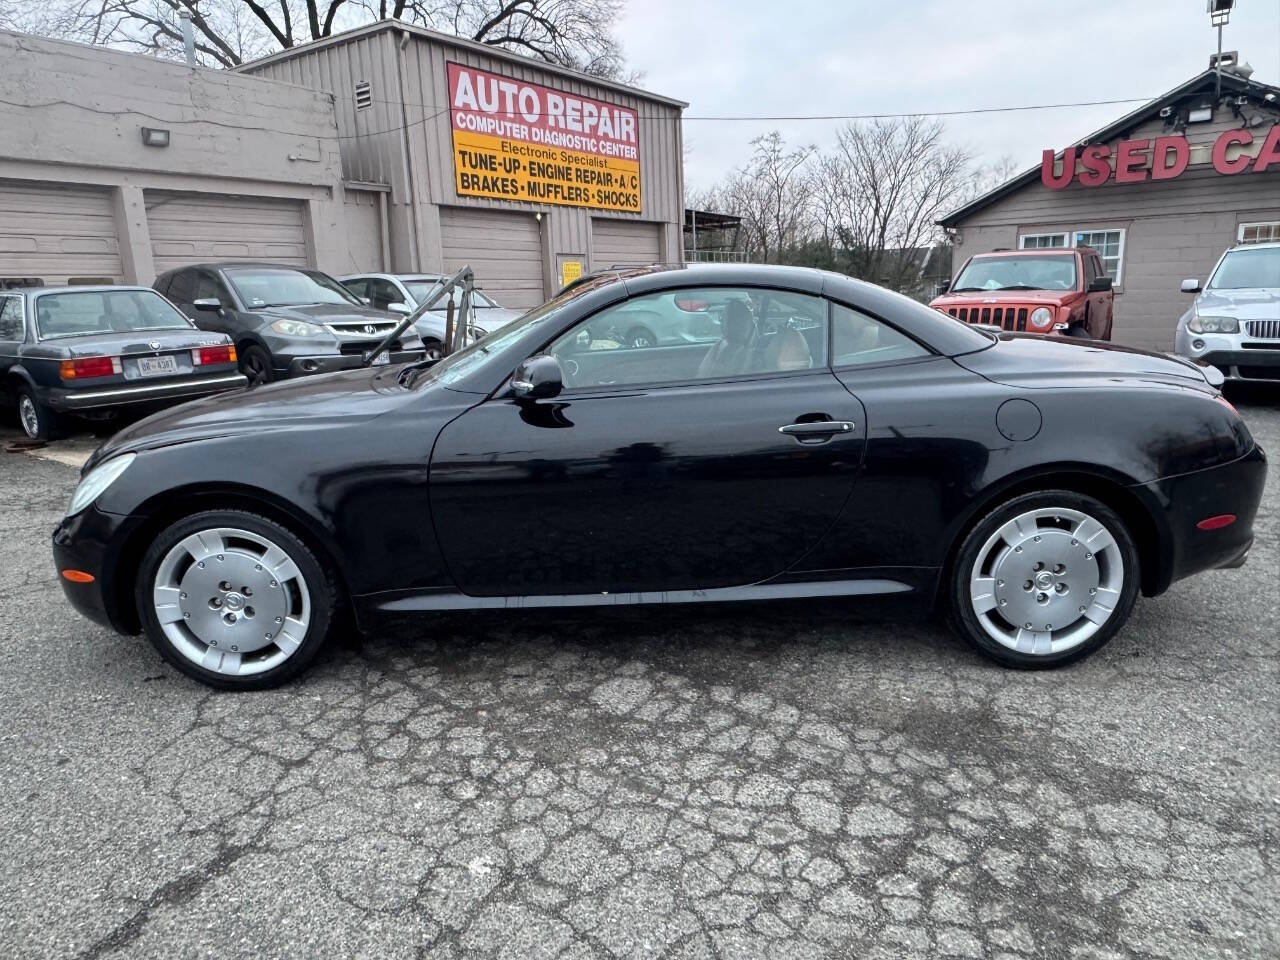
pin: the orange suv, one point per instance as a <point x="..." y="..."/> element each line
<point x="1050" y="290"/>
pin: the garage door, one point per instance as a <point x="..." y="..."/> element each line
<point x="623" y="243"/>
<point x="201" y="227"/>
<point x="55" y="233"/>
<point x="503" y="249"/>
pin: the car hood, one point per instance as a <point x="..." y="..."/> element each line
<point x="115" y="344"/>
<point x="1260" y="303"/>
<point x="326" y="313"/>
<point x="989" y="297"/>
<point x="1026" y="360"/>
<point x="491" y="318"/>
<point x="302" y="404"/>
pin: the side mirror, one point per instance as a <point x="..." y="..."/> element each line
<point x="1191" y="285"/>
<point x="207" y="303"/>
<point x="1100" y="285"/>
<point x="401" y="308"/>
<point x="538" y="378"/>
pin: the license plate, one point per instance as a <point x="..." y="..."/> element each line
<point x="156" y="366"/>
<point x="382" y="359"/>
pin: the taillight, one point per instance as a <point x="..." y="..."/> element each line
<point x="89" y="367"/>
<point x="691" y="306"/>
<point x="203" y="356"/>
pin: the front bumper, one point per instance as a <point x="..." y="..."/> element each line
<point x="1237" y="356"/>
<point x="71" y="401"/>
<point x="89" y="542"/>
<point x="1180" y="503"/>
<point x="329" y="363"/>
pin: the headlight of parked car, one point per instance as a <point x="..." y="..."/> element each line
<point x="1041" y="317"/>
<point x="1199" y="324"/>
<point x="97" y="480"/>
<point x="297" y="328"/>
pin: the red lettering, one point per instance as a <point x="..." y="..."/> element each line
<point x="1161" y="168"/>
<point x="1270" y="152"/>
<point x="1058" y="181"/>
<point x="1227" y="140"/>
<point x="1131" y="161"/>
<point x="1096" y="168"/>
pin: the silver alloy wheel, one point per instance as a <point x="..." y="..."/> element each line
<point x="29" y="416"/>
<point x="433" y="351"/>
<point x="1046" y="581"/>
<point x="231" y="601"/>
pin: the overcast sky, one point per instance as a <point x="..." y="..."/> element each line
<point x="800" y="57"/>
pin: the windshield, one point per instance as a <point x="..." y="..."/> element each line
<point x="457" y="365"/>
<point x="1018" y="273"/>
<point x="418" y="289"/>
<point x="286" y="287"/>
<point x="1248" y="269"/>
<point x="105" y="311"/>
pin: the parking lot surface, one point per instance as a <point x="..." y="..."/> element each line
<point x="788" y="782"/>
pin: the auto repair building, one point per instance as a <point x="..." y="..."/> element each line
<point x="459" y="153"/>
<point x="1160" y="193"/>
<point x="386" y="148"/>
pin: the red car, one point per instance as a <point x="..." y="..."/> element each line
<point x="1060" y="291"/>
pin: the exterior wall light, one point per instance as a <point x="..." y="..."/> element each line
<point x="153" y="137"/>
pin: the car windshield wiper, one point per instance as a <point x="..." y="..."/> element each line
<point x="1019" y="286"/>
<point x="966" y="290"/>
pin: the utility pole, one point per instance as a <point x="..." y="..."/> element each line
<point x="1219" y="16"/>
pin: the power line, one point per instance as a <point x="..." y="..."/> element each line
<point x="776" y="119"/>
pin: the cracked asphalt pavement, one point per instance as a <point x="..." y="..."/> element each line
<point x="768" y="781"/>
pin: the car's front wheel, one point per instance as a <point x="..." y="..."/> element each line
<point x="234" y="599"/>
<point x="1044" y="580"/>
<point x="37" y="420"/>
<point x="255" y="364"/>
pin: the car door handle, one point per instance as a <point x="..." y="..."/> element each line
<point x="819" y="428"/>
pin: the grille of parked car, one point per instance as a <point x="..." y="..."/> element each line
<point x="362" y="328"/>
<point x="1263" y="329"/>
<point x="1009" y="318"/>
<point x="360" y="346"/>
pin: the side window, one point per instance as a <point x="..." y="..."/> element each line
<point x="358" y="288"/>
<point x="383" y="293"/>
<point x="697" y="334"/>
<point x="857" y="339"/>
<point x="10" y="318"/>
<point x="182" y="288"/>
<point x="210" y="287"/>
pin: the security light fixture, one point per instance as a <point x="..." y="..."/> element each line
<point x="1200" y="115"/>
<point x="155" y="137"/>
<point x="1220" y="11"/>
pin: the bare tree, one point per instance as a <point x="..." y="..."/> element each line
<point x="571" y="33"/>
<point x="771" y="194"/>
<point x="884" y="186"/>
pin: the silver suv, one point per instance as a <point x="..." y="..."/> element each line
<point x="1234" y="323"/>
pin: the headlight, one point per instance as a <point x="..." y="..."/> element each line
<point x="1041" y="317"/>
<point x="97" y="480"/>
<point x="297" y="328"/>
<point x="1199" y="324"/>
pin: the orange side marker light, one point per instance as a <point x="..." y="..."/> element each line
<point x="77" y="576"/>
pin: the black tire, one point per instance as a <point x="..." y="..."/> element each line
<point x="432" y="349"/>
<point x="960" y="607"/>
<point x="320" y="580"/>
<point x="38" y="422"/>
<point x="1078" y="332"/>
<point x="640" y="337"/>
<point x="255" y="363"/>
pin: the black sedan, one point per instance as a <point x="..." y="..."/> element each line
<point x="838" y="440"/>
<point x="90" y="351"/>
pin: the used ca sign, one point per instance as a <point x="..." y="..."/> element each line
<point x="1161" y="158"/>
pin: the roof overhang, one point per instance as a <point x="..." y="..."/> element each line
<point x="498" y="53"/>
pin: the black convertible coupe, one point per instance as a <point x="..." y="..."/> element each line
<point x="837" y="439"/>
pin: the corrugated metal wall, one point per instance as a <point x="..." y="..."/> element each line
<point x="406" y="126"/>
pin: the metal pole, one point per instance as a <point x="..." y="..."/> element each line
<point x="188" y="37"/>
<point x="1217" y="94"/>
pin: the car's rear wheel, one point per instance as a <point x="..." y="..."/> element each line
<point x="38" y="422"/>
<point x="1044" y="580"/>
<point x="255" y="364"/>
<point x="234" y="599"/>
<point x="432" y="349"/>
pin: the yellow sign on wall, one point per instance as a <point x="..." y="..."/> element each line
<point x="523" y="141"/>
<point x="570" y="270"/>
